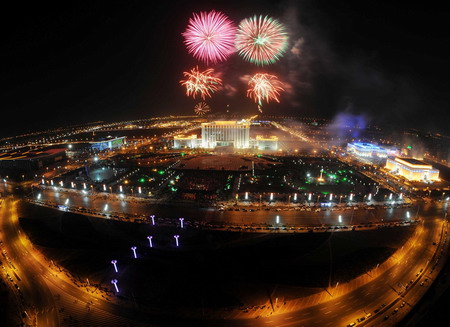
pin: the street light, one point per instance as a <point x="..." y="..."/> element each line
<point x="340" y="219"/>
<point x="153" y="219"/>
<point x="181" y="222"/>
<point x="114" y="262"/>
<point x="278" y="219"/>
<point x="176" y="239"/>
<point x="150" y="241"/>
<point x="133" y="248"/>
<point x="114" y="281"/>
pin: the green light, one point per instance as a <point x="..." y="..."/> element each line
<point x="182" y="154"/>
<point x="142" y="180"/>
<point x="161" y="172"/>
<point x="409" y="147"/>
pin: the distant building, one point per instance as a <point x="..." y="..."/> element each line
<point x="226" y="133"/>
<point x="30" y="160"/>
<point x="412" y="169"/>
<point x="367" y="150"/>
<point x="112" y="143"/>
<point x="186" y="141"/>
<point x="267" y="142"/>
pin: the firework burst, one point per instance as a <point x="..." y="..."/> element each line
<point x="209" y="37"/>
<point x="201" y="108"/>
<point x="261" y="40"/>
<point x="201" y="84"/>
<point x="264" y="87"/>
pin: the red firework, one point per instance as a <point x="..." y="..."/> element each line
<point x="201" y="83"/>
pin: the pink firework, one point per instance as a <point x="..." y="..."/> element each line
<point x="201" y="83"/>
<point x="210" y="36"/>
<point x="264" y="87"/>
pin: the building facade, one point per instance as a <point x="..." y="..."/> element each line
<point x="366" y="150"/>
<point x="186" y="142"/>
<point x="226" y="133"/>
<point x="267" y="143"/>
<point x="412" y="169"/>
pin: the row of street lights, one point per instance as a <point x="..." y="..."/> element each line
<point x="133" y="249"/>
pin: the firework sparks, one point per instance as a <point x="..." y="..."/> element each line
<point x="210" y="36"/>
<point x="201" y="83"/>
<point x="201" y="108"/>
<point x="264" y="87"/>
<point x="261" y="40"/>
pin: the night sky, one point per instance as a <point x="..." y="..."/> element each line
<point x="79" y="62"/>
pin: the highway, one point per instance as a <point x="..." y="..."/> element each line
<point x="346" y="306"/>
<point x="39" y="302"/>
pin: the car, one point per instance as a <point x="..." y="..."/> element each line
<point x="403" y="304"/>
<point x="361" y="319"/>
<point x="395" y="311"/>
<point x="386" y="318"/>
<point x="351" y="324"/>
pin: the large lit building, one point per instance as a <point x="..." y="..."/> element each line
<point x="226" y="133"/>
<point x="267" y="142"/>
<point x="186" y="141"/>
<point x="412" y="169"/>
<point x="366" y="150"/>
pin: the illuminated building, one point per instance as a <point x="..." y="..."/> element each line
<point x="226" y="133"/>
<point x="412" y="169"/>
<point x="366" y="150"/>
<point x="111" y="143"/>
<point x="186" y="141"/>
<point x="267" y="143"/>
